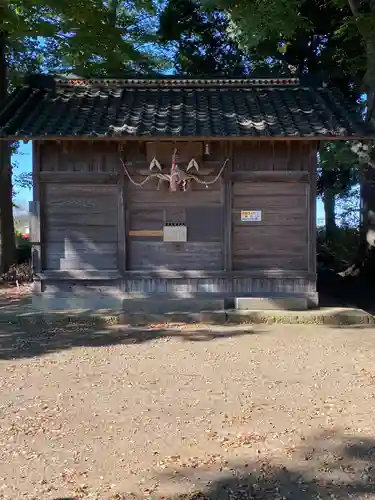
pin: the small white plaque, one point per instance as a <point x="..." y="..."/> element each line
<point x="251" y="215"/>
<point x="175" y="233"/>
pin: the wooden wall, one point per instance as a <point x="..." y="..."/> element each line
<point x="272" y="156"/>
<point x="149" y="208"/>
<point x="92" y="213"/>
<point x="280" y="240"/>
<point x="279" y="179"/>
<point x="78" y="157"/>
<point x="202" y="215"/>
<point x="80" y="229"/>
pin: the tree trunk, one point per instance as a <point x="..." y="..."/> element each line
<point x="329" y="212"/>
<point x="364" y="264"/>
<point x="8" y="244"/>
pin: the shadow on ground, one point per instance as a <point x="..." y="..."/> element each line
<point x="36" y="340"/>
<point x="330" y="467"/>
<point x="335" y="291"/>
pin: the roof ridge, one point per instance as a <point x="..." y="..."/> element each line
<point x="49" y="81"/>
<point x="176" y="82"/>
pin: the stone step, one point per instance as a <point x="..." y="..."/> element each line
<point x="270" y="303"/>
<point x="335" y="316"/>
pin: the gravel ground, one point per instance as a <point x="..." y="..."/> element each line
<point x="218" y="413"/>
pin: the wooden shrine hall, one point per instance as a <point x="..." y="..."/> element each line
<point x="174" y="194"/>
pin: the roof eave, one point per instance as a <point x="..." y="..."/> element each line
<point x="188" y="138"/>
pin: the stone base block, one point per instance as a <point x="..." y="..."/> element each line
<point x="153" y="305"/>
<point x="46" y="302"/>
<point x="270" y="303"/>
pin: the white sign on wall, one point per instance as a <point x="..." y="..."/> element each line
<point x="175" y="233"/>
<point x="251" y="215"/>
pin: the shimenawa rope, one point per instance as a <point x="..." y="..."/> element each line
<point x="166" y="177"/>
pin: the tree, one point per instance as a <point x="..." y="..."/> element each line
<point x="300" y="37"/>
<point x="338" y="170"/>
<point x="7" y="240"/>
<point x="91" y="37"/>
<point x="198" y="38"/>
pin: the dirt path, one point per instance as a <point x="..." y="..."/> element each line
<point x="270" y="413"/>
<point x="13" y="297"/>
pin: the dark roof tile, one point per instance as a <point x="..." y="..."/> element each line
<point x="177" y="108"/>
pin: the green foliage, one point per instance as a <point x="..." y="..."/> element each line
<point x="348" y="209"/>
<point x="296" y="37"/>
<point x="88" y="36"/>
<point x="199" y="40"/>
<point x="338" y="169"/>
<point x="342" y="250"/>
<point x="24" y="180"/>
<point x="251" y="22"/>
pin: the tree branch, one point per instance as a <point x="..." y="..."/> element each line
<point x="354" y="7"/>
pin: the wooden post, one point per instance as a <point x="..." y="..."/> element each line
<point x="228" y="150"/>
<point x="121" y="220"/>
<point x="34" y="214"/>
<point x="121" y="230"/>
<point x="312" y="210"/>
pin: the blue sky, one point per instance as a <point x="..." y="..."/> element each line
<point x="23" y="196"/>
<point x="24" y="162"/>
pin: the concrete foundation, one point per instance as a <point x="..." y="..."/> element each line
<point x="58" y="302"/>
<point x="159" y="304"/>
<point x="147" y="305"/>
<point x="271" y="303"/>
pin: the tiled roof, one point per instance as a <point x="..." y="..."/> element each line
<point x="52" y="107"/>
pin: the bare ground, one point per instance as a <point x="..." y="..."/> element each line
<point x="14" y="298"/>
<point x="218" y="413"/>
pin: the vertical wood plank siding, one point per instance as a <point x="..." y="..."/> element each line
<point x="224" y="286"/>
